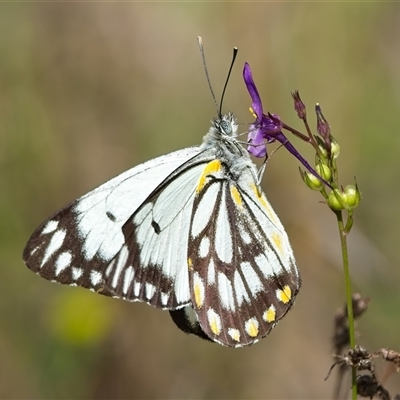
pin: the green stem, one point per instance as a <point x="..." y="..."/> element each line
<point x="349" y="299"/>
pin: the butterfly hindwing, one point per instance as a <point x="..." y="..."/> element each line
<point x="242" y="274"/>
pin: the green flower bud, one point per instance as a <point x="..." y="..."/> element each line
<point x="352" y="196"/>
<point x="311" y="180"/>
<point x="335" y="149"/>
<point x="348" y="199"/>
<point x="323" y="171"/>
<point x="322" y="151"/>
<point x="336" y="200"/>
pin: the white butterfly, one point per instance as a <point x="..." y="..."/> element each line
<point x="190" y="232"/>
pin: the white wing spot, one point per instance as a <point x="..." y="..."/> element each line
<point x="284" y="295"/>
<point x="240" y="289"/>
<point x="34" y="250"/>
<point x="51" y="226"/>
<point x="121" y="262"/>
<point x="223" y="235"/>
<point x="110" y="268"/>
<point x="95" y="277"/>
<point x="136" y="288"/>
<point x="268" y="264"/>
<point x="76" y="273"/>
<point x="150" y="290"/>
<point x="198" y="290"/>
<point x="181" y="284"/>
<point x="128" y="278"/>
<point x="211" y="273"/>
<point x="226" y="292"/>
<point x="55" y="243"/>
<point x="214" y="320"/>
<point x="204" y="247"/>
<point x="234" y="334"/>
<point x="206" y="206"/>
<point x="244" y="235"/>
<point x="251" y="327"/>
<point x="63" y="261"/>
<point x="164" y="298"/>
<point x="270" y="314"/>
<point x="252" y="278"/>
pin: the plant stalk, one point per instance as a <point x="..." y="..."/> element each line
<point x="349" y="299"/>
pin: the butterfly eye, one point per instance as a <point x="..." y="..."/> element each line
<point x="225" y="127"/>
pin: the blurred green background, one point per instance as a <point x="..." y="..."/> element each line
<point x="88" y="90"/>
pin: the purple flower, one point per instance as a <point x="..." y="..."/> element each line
<point x="267" y="128"/>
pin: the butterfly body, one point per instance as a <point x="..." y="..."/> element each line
<point x="190" y="232"/>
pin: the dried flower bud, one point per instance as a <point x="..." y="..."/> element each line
<point x="323" y="127"/>
<point x="299" y="106"/>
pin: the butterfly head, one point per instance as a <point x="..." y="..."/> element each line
<point x="226" y="125"/>
<point x="222" y="137"/>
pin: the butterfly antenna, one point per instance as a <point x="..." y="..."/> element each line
<point x="235" y="51"/>
<point x="200" y="41"/>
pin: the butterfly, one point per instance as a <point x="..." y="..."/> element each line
<point x="190" y="232"/>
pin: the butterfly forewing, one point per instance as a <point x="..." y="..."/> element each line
<point x="84" y="244"/>
<point x="152" y="265"/>
<point x="242" y="277"/>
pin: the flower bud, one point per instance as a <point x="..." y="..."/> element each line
<point x="335" y="149"/>
<point x="346" y="199"/>
<point x="323" y="127"/>
<point x="352" y="196"/>
<point x="299" y="106"/>
<point x="311" y="180"/>
<point x="323" y="171"/>
<point x="322" y="150"/>
<point x="336" y="200"/>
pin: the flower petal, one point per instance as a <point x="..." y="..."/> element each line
<point x="251" y="87"/>
<point x="256" y="145"/>
<point x="270" y="125"/>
